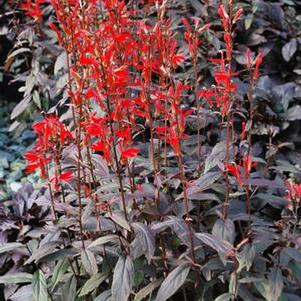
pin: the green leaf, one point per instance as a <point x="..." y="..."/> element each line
<point x="121" y="221"/>
<point x="144" y="242"/>
<point x="9" y="246"/>
<point x="173" y="282"/>
<point x="60" y="63"/>
<point x="104" y="240"/>
<point x="144" y="292"/>
<point x="16" y="278"/>
<point x="39" y="286"/>
<point x="289" y="49"/>
<point x="123" y="279"/>
<point x="294" y="254"/>
<point x="104" y="296"/>
<point x="223" y="297"/>
<point x="249" y="21"/>
<point x="89" y="262"/>
<point x="246" y="257"/>
<point x="42" y="251"/>
<point x="203" y="183"/>
<point x="233" y="284"/>
<point x="92" y="283"/>
<point x="20" y="107"/>
<point x="293" y="113"/>
<point x="224" y="230"/>
<point x="275" y="284"/>
<point x="215" y="243"/>
<point x="69" y="290"/>
<point x="59" y="271"/>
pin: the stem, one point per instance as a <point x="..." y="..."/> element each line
<point x="226" y="201"/>
<point x="118" y="169"/>
<point x="198" y="121"/>
<point x="187" y="213"/>
<point x="51" y="194"/>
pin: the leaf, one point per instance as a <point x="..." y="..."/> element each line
<point x="60" y="63"/>
<point x="233" y="285"/>
<point x="275" y="284"/>
<point x="20" y="107"/>
<point x="89" y="262"/>
<point x="248" y="21"/>
<point x="9" y="246"/>
<point x="289" y="49"/>
<point x="144" y="292"/>
<point x="69" y="290"/>
<point x="103" y="240"/>
<point x="215" y="243"/>
<point x="217" y="156"/>
<point x="121" y="221"/>
<point x="246" y="257"/>
<point x="293" y="113"/>
<point x="123" y="279"/>
<point x="11" y="56"/>
<point x="203" y="183"/>
<point x="223" y="297"/>
<point x="105" y="296"/>
<point x="173" y="282"/>
<point x="224" y="230"/>
<point x="294" y="254"/>
<point x="92" y="283"/>
<point x="16" y="278"/>
<point x="39" y="286"/>
<point x="59" y="271"/>
<point x="42" y="251"/>
<point x="24" y="293"/>
<point x="177" y="225"/>
<point x="144" y="242"/>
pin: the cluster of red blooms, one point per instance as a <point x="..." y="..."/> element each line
<point x="117" y="60"/>
<point x="221" y="93"/>
<point x="112" y="62"/>
<point x="52" y="135"/>
<point x="33" y="8"/>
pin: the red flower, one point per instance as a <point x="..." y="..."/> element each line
<point x="235" y="171"/>
<point x="129" y="153"/>
<point x="64" y="177"/>
<point x="32" y="8"/>
<point x="104" y="148"/>
<point x="35" y="161"/>
<point x="246" y="165"/>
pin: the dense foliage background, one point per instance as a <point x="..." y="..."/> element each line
<point x="156" y="252"/>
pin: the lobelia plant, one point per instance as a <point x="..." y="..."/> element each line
<point x="131" y="209"/>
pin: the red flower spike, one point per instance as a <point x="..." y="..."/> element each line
<point x="243" y="131"/>
<point x="224" y="16"/>
<point x="249" y="58"/>
<point x="248" y="165"/>
<point x="258" y="62"/>
<point x="57" y="31"/>
<point x="238" y="14"/>
<point x="293" y="191"/>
